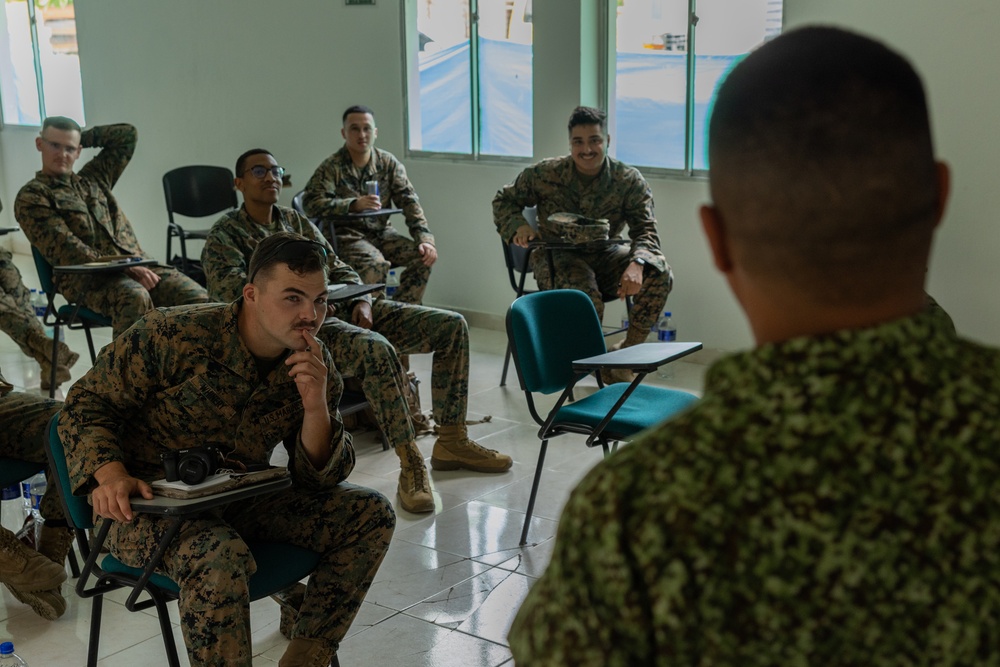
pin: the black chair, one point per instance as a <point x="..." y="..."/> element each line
<point x="72" y="316"/>
<point x="195" y="192"/>
<point x="557" y="341"/>
<point x="279" y="565"/>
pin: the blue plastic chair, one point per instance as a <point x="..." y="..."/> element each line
<point x="71" y="316"/>
<point x="278" y="565"/>
<point x="548" y="332"/>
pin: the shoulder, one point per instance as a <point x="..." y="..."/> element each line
<point x="624" y="171"/>
<point x="225" y="226"/>
<point x="32" y="190"/>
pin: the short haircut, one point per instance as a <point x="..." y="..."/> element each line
<point x="588" y="116"/>
<point x="357" y="108"/>
<point x="301" y="255"/>
<point x="822" y="166"/>
<point x="60" y="123"/>
<point x="241" y="161"/>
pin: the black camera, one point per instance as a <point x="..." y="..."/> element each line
<point x="191" y="466"/>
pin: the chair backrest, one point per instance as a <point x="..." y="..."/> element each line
<point x="77" y="508"/>
<point x="297" y="202"/>
<point x="548" y="331"/>
<point x="44" y="270"/>
<point x="198" y="190"/>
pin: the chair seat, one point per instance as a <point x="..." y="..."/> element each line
<point x="84" y="313"/>
<point x="13" y="471"/>
<point x="276" y="565"/>
<point x="644" y="408"/>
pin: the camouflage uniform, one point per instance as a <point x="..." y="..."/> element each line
<point x="182" y="377"/>
<point x="371" y="245"/>
<point x="368" y="355"/>
<point x="832" y="500"/>
<point x="17" y="315"/>
<point x="76" y="219"/>
<point x="25" y="419"/>
<point x="618" y="194"/>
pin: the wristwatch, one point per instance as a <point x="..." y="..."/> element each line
<point x="639" y="260"/>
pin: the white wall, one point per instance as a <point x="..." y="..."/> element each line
<point x="203" y="81"/>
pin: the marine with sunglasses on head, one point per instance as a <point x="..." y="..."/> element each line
<point x="364" y="336"/>
<point x="73" y="218"/>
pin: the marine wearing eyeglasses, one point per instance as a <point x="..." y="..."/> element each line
<point x="73" y="218"/>
<point x="363" y="336"/>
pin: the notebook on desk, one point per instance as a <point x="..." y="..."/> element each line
<point x="223" y="481"/>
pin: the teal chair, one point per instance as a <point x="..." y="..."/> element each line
<point x="279" y="566"/>
<point x="554" y="335"/>
<point x="71" y="316"/>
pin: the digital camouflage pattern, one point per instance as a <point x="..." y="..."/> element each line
<point x="371" y="244"/>
<point x="25" y="419"/>
<point x="367" y="355"/>
<point x="182" y="377"/>
<point x="76" y="219"/>
<point x="831" y="500"/>
<point x="619" y="195"/>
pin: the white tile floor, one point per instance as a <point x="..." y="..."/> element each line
<point x="452" y="580"/>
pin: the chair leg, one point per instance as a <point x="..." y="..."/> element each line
<point x="506" y="365"/>
<point x="95" y="630"/>
<point x="165" y="629"/>
<point x="534" y="490"/>
<point x="52" y="364"/>
<point x="74" y="566"/>
<point x="90" y="343"/>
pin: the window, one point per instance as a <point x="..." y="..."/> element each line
<point x="667" y="68"/>
<point x="452" y="110"/>
<point x="39" y="62"/>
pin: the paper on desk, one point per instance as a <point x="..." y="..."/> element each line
<point x="210" y="481"/>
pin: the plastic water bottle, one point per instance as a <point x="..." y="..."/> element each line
<point x="39" y="302"/>
<point x="38" y="487"/>
<point x="8" y="658"/>
<point x="391" y="283"/>
<point x="666" y="332"/>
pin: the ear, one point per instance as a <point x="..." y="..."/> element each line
<point x="374" y="133"/>
<point x="238" y="183"/>
<point x="715" y="231"/>
<point x="343" y="133"/>
<point x="38" y="144"/>
<point x="250" y="292"/>
<point x="944" y="189"/>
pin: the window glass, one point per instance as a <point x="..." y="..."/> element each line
<point x="505" y="77"/>
<point x="58" y="65"/>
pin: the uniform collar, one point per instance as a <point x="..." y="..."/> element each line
<point x="232" y="352"/>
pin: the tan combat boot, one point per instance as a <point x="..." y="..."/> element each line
<point x="414" y="487"/>
<point x="31" y="577"/>
<point x="302" y="652"/>
<point x="55" y="542"/>
<point x="454" y="450"/>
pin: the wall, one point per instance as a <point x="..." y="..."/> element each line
<point x="203" y="81"/>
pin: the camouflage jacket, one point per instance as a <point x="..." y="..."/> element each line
<point x="5" y="387"/>
<point x="831" y="500"/>
<point x="619" y="194"/>
<point x="337" y="182"/>
<point x="235" y="236"/>
<point x="182" y="377"/>
<point x="75" y="219"/>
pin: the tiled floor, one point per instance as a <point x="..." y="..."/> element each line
<point x="452" y="580"/>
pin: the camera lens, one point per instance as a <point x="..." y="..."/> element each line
<point x="194" y="467"/>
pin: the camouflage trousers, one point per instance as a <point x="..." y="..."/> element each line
<point x="401" y="328"/>
<point x="25" y="419"/>
<point x="17" y="316"/>
<point x="124" y="300"/>
<point x="351" y="527"/>
<point x="373" y="253"/>
<point x="598" y="273"/>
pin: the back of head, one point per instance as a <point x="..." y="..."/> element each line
<point x="822" y="165"/>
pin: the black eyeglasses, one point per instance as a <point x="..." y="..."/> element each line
<point x="284" y="251"/>
<point x="260" y="171"/>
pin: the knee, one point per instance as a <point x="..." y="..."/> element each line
<point x="217" y="561"/>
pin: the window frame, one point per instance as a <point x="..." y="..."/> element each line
<point x="411" y="76"/>
<point x="36" y="57"/>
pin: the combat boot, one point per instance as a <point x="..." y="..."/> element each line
<point x="454" y="450"/>
<point x="65" y="356"/>
<point x="302" y="652"/>
<point x="25" y="569"/>
<point x="615" y="375"/>
<point x="290" y="601"/>
<point x="55" y="542"/>
<point x="50" y="605"/>
<point x="414" y="487"/>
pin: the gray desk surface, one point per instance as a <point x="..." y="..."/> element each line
<point x="178" y="506"/>
<point x="351" y="291"/>
<point x="111" y="266"/>
<point x="644" y="357"/>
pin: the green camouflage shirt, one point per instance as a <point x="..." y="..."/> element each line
<point x="235" y="236"/>
<point x="182" y="377"/>
<point x="619" y="194"/>
<point x="832" y="500"/>
<point x="337" y="183"/>
<point x="75" y="219"/>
